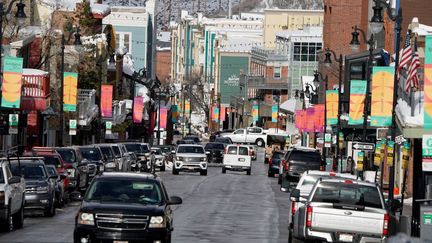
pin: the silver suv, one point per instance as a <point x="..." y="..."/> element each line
<point x="190" y="157"/>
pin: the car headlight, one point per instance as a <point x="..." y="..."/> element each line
<point x="42" y="189"/>
<point x="179" y="158"/>
<point x="157" y="222"/>
<point x="204" y="159"/>
<point x="86" y="219"/>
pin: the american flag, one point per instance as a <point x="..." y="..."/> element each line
<point x="406" y="54"/>
<point x="412" y="79"/>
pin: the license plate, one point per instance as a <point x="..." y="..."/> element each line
<point x="120" y="241"/>
<point x="345" y="238"/>
<point x="241" y="159"/>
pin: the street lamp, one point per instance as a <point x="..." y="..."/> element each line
<point x="64" y="41"/>
<point x="318" y="78"/>
<point x="376" y="24"/>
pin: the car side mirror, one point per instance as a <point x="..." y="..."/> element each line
<point x="76" y="196"/>
<point x="295" y="195"/>
<point x="14" y="180"/>
<point x="208" y="152"/>
<point x="175" y="200"/>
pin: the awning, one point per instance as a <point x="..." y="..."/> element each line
<point x="290" y="105"/>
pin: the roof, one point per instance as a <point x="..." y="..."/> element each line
<point x="310" y="31"/>
<point x="363" y="183"/>
<point x="304" y="148"/>
<point x="190" y="145"/>
<point x="127" y="175"/>
<point x="344" y="175"/>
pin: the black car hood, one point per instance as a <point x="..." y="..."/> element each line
<point x="215" y="150"/>
<point x="124" y="208"/>
<point x="35" y="182"/>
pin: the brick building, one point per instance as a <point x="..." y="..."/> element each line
<point x="163" y="64"/>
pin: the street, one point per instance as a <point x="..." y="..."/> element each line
<point x="230" y="207"/>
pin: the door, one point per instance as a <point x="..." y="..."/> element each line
<point x="239" y="136"/>
<point x="16" y="198"/>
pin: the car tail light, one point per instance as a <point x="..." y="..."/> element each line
<point x="322" y="168"/>
<point x="309" y="217"/>
<point x="348" y="182"/>
<point x="386" y="224"/>
<point x="286" y="165"/>
<point x="293" y="207"/>
<point x="332" y="174"/>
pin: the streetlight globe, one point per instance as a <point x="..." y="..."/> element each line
<point x="327" y="61"/>
<point x="355" y="48"/>
<point x="20" y="15"/>
<point x="376" y="27"/>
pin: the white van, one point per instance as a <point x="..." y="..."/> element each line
<point x="237" y="158"/>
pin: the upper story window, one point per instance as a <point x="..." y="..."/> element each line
<point x="277" y="72"/>
<point x="124" y="39"/>
<point x="306" y="52"/>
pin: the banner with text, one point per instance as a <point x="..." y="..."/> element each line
<point x="332" y="101"/>
<point x="274" y="113"/>
<point x="428" y="84"/>
<point x="223" y="113"/>
<point x="357" y="101"/>
<point x="12" y="82"/>
<point x="215" y="114"/>
<point x="106" y="100"/>
<point x="137" y="109"/>
<point x="70" y="91"/>
<point x="309" y="118"/>
<point x="382" y="96"/>
<point x="255" y="113"/>
<point x="319" y="118"/>
<point x="163" y="117"/>
<point x="187" y="107"/>
<point x="174" y="113"/>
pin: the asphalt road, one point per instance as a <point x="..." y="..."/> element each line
<point x="230" y="207"/>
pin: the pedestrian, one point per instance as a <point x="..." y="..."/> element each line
<point x="349" y="165"/>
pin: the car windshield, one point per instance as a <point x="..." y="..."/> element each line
<point x="348" y="194"/>
<point x="116" y="151"/>
<point x="145" y="148"/>
<point x="134" y="147"/>
<point x="215" y="146"/>
<point x="29" y="171"/>
<point x="68" y="155"/>
<point x="51" y="170"/>
<point x="157" y="151"/>
<point x="92" y="154"/>
<point x="190" y="150"/>
<point x="50" y="160"/>
<point x="125" y="191"/>
<point x="305" y="156"/>
<point x="165" y="149"/>
<point x="107" y="152"/>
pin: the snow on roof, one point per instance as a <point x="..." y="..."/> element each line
<point x="164" y="36"/>
<point x="290" y="105"/>
<point x="101" y="9"/>
<point x="316" y="31"/>
<point x="163" y="48"/>
<point x="240" y="44"/>
<point x="422" y="30"/>
<point x="36" y="72"/>
<point x="31" y="30"/>
<point x="403" y="111"/>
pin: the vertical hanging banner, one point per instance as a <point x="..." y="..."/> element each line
<point x="382" y="96"/>
<point x="187" y="108"/>
<point x="70" y="91"/>
<point x="163" y="117"/>
<point x="319" y="118"/>
<point x="72" y="127"/>
<point x="137" y="109"/>
<point x="357" y="102"/>
<point x="13" y="123"/>
<point x="106" y="100"/>
<point x="174" y="113"/>
<point x="308" y="118"/>
<point x="223" y="114"/>
<point x="255" y="114"/>
<point x="332" y="102"/>
<point x="298" y="121"/>
<point x="274" y="113"/>
<point x="12" y="81"/>
<point x="216" y="114"/>
<point x="428" y="84"/>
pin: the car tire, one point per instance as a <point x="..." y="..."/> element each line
<point x="51" y="211"/>
<point x="175" y="172"/>
<point x="259" y="142"/>
<point x="290" y="237"/>
<point x="18" y="218"/>
<point x="223" y="170"/>
<point x="203" y="172"/>
<point x="8" y="226"/>
<point x="270" y="174"/>
<point x="167" y="239"/>
<point x="162" y="168"/>
<point x="248" y="172"/>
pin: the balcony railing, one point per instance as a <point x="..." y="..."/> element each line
<point x="35" y="90"/>
<point x="87" y="107"/>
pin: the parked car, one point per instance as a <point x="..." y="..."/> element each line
<point x="12" y="198"/>
<point x="295" y="162"/>
<point x="72" y="160"/>
<point x="274" y="163"/>
<point x="137" y="205"/>
<point x="224" y="140"/>
<point x="305" y="186"/>
<point x="120" y="155"/>
<point x="159" y="158"/>
<point x="184" y="142"/>
<point x="237" y="158"/>
<point x="343" y="210"/>
<point x="250" y="135"/>
<point x="194" y="138"/>
<point x="111" y="164"/>
<point x="215" y="152"/>
<point x="142" y="154"/>
<point x="190" y="157"/>
<point x="167" y="151"/>
<point x="60" y="193"/>
<point x="93" y="161"/>
<point x="40" y="191"/>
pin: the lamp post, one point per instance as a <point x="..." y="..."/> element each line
<point x="64" y="41"/>
<point x="377" y="24"/>
<point x="159" y="92"/>
<point x="300" y="95"/>
<point x="327" y="63"/>
<point x="318" y="78"/>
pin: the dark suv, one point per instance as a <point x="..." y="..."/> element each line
<point x="295" y="162"/>
<point x="126" y="207"/>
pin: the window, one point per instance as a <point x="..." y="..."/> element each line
<point x="232" y="150"/>
<point x="306" y="52"/>
<point x="243" y="151"/>
<point x="277" y="72"/>
<point x="124" y="39"/>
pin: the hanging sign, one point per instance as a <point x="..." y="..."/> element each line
<point x="357" y="101"/>
<point x="427" y="152"/>
<point x="222" y="113"/>
<point x="390" y="153"/>
<point x="106" y="100"/>
<point x="309" y="120"/>
<point x="12" y="81"/>
<point x="360" y="159"/>
<point x="163" y="117"/>
<point x="406" y="151"/>
<point x="382" y="96"/>
<point x="327" y="140"/>
<point x="428" y="84"/>
<point x="70" y="91"/>
<point x="332" y="103"/>
<point x="72" y="127"/>
<point x="137" y="109"/>
<point x="255" y="116"/>
<point x="319" y="118"/>
<point x="174" y="113"/>
<point x="377" y="157"/>
<point x="187" y="107"/>
<point x="13" y="123"/>
<point x="274" y="113"/>
<point x="108" y="127"/>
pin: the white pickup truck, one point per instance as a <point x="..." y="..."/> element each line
<point x="253" y="135"/>
<point x="343" y="210"/>
<point x="12" y="189"/>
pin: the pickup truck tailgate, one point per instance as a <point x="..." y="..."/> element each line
<point x="369" y="221"/>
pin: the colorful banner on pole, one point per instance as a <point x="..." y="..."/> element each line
<point x="13" y="123"/>
<point x="174" y="113"/>
<point x="428" y="84"/>
<point x="332" y="101"/>
<point x="309" y="119"/>
<point x="274" y="113"/>
<point x="106" y="100"/>
<point x="255" y="114"/>
<point x="382" y="96"/>
<point x="301" y="120"/>
<point x="223" y="114"/>
<point x="187" y="107"/>
<point x="12" y="81"/>
<point x="215" y="114"/>
<point x="163" y="117"/>
<point x="357" y="102"/>
<point x="70" y="91"/>
<point x="319" y="118"/>
<point x="137" y="109"/>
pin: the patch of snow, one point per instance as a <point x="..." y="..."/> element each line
<point x="36" y="72"/>
<point x="128" y="65"/>
<point x="403" y="111"/>
<point x="142" y="91"/>
<point x="102" y="9"/>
